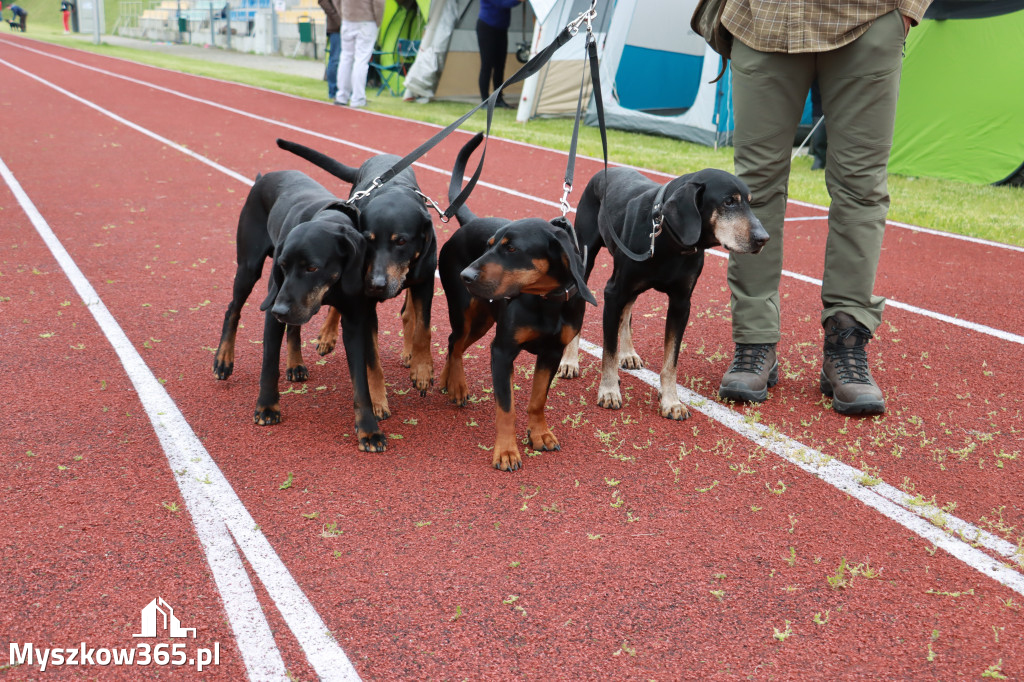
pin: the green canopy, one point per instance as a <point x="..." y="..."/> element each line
<point x="961" y="106"/>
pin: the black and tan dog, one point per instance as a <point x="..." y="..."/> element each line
<point x="691" y="213"/>
<point x="317" y="260"/>
<point x="526" y="278"/>
<point x="401" y="254"/>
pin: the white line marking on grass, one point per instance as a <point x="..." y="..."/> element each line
<point x="883" y="498"/>
<point x="218" y="515"/>
<point x="893" y="503"/>
<point x="893" y="303"/>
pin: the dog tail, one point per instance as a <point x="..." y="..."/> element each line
<point x="321" y="160"/>
<point x="463" y="214"/>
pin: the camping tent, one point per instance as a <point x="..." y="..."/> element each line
<point x="448" y="63"/>
<point x="961" y="107"/>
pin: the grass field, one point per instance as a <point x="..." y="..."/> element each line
<point x="995" y="213"/>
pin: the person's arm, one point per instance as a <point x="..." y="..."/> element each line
<point x="912" y="12"/>
<point x="332" y="13"/>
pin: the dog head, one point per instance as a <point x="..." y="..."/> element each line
<point x="315" y="256"/>
<point x="399" y="239"/>
<point x="529" y="256"/>
<point x="711" y="208"/>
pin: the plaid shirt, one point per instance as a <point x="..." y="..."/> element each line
<point x="809" y="25"/>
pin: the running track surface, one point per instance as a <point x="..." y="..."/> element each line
<point x="772" y="541"/>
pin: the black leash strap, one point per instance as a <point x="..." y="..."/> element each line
<point x="657" y="220"/>
<point x="531" y="67"/>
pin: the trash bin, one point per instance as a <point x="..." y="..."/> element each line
<point x="306" y="34"/>
<point x="182" y="24"/>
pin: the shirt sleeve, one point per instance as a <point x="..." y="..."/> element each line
<point x="914" y="9"/>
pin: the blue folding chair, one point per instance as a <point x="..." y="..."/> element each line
<point x="392" y="65"/>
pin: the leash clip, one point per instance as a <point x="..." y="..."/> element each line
<point x="583" y="18"/>
<point x="656" y="226"/>
<point x="363" y="193"/>
<point x="564" y="202"/>
<point x="433" y="204"/>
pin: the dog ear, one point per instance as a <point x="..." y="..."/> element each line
<point x="352" y="247"/>
<point x="682" y="211"/>
<point x="348" y="209"/>
<point x="273" y="286"/>
<point x="576" y="265"/>
<point x="428" y="253"/>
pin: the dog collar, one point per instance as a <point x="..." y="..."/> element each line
<point x="567" y="293"/>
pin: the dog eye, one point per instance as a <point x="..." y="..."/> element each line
<point x="730" y="201"/>
<point x="400" y="241"/>
<point x="311" y="268"/>
<point x="510" y="248"/>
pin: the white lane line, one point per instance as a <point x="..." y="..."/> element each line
<point x="216" y="503"/>
<point x="893" y="303"/>
<point x="894" y="504"/>
<point x="259" y="651"/>
<point x="883" y="498"/>
<point x="481" y="183"/>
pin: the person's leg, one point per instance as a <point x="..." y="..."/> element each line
<point x="333" y="54"/>
<point x="859" y="88"/>
<point x="499" y="56"/>
<point x="349" y="31"/>
<point x="361" y="64"/>
<point x="489" y="42"/>
<point x="769" y="91"/>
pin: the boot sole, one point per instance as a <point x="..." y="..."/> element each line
<point x="745" y="395"/>
<point x="869" y="406"/>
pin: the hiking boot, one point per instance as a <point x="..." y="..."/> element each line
<point x="753" y="371"/>
<point x="845" y="375"/>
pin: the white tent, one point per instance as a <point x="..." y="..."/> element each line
<point x="655" y="71"/>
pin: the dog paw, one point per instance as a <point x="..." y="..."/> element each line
<point x="422" y="376"/>
<point x="609" y="399"/>
<point x="325" y="343"/>
<point x="543" y="440"/>
<point x="297" y="373"/>
<point x="676" y="411"/>
<point x="406" y="357"/>
<point x="630" y="361"/>
<point x="381" y="411"/>
<point x="372" y="442"/>
<point x="567" y="370"/>
<point x="507" y="459"/>
<point x="222" y="370"/>
<point x="267" y="415"/>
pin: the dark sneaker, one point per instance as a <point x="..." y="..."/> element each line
<point x="845" y="375"/>
<point x="753" y="371"/>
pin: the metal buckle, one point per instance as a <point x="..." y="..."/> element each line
<point x="564" y="202"/>
<point x="433" y="204"/>
<point x="656" y="225"/>
<point x="363" y="193"/>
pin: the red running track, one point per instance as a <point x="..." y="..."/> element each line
<point x="779" y="540"/>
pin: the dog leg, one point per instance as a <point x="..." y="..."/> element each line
<point x="538" y="431"/>
<point x="416" y="333"/>
<point x="246" y="276"/>
<point x="615" y="309"/>
<point x="569" y="367"/>
<point x="268" y="404"/>
<point x="375" y="380"/>
<point x="296" y="370"/>
<point x="475" y="322"/>
<point x="356" y="334"/>
<point x="327" y="338"/>
<point x="675" y="324"/>
<point x="506" y="450"/>
<point x="627" y="357"/>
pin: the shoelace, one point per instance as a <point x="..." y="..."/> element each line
<point x="851" y="362"/>
<point x="750" y="357"/>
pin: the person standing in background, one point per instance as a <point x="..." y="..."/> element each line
<point x="360" y="21"/>
<point x="855" y="50"/>
<point x="332" y="8"/>
<point x="492" y="40"/>
<point x="65" y="12"/>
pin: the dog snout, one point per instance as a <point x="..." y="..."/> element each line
<point x="470" y="275"/>
<point x="758" y="236"/>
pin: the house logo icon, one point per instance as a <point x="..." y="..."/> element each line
<point x="158" y="614"/>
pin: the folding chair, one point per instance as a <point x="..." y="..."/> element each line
<point x="391" y="66"/>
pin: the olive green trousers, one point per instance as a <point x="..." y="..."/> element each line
<point x="859" y="86"/>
